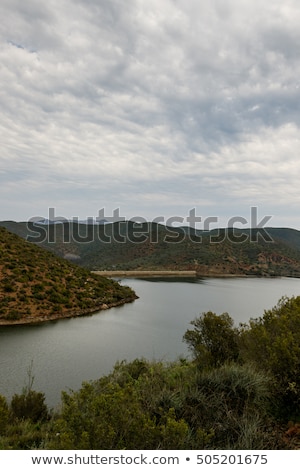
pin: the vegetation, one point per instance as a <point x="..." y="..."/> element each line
<point x="37" y="285"/>
<point x="272" y="344"/>
<point x="239" y="391"/>
<point x="150" y="246"/>
<point x="213" y="340"/>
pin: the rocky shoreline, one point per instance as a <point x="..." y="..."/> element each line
<point x="31" y="319"/>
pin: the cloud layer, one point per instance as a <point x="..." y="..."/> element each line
<point x="151" y="106"/>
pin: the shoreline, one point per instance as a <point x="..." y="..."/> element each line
<point x="148" y="273"/>
<point x="31" y="320"/>
<point x="173" y="273"/>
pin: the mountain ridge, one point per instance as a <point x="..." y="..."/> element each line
<point x="150" y="246"/>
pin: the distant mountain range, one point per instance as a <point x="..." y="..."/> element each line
<point x="150" y="246"/>
<point x="61" y="220"/>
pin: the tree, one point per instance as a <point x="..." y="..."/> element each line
<point x="213" y="340"/>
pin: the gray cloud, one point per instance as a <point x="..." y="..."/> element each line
<point x="150" y="106"/>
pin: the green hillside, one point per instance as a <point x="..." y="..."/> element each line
<point x="36" y="285"/>
<point x="149" y="246"/>
<point x="160" y="247"/>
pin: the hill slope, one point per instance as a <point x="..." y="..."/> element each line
<point x="150" y="246"/>
<point x="36" y="285"/>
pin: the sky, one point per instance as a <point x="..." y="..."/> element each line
<point x="150" y="109"/>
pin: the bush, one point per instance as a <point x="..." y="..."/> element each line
<point x="29" y="405"/>
<point x="111" y="419"/>
<point x="272" y="344"/>
<point x="213" y="340"/>
<point x="233" y="401"/>
<point x="13" y="315"/>
<point x="23" y="435"/>
<point x="4" y="415"/>
<point x="146" y="405"/>
<point x="127" y="409"/>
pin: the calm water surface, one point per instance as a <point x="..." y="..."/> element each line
<point x="67" y="352"/>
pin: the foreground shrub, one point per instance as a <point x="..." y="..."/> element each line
<point x="147" y="405"/>
<point x="29" y="405"/>
<point x="113" y="419"/>
<point x="272" y="344"/>
<point x="213" y="340"/>
<point x="233" y="401"/>
<point x="24" y="435"/>
<point x="4" y="415"/>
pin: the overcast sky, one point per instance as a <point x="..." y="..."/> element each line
<point x="152" y="107"/>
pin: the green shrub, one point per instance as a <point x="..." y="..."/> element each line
<point x="29" y="405"/>
<point x="230" y="404"/>
<point x="8" y="288"/>
<point x="272" y="344"/>
<point x="214" y="340"/>
<point x="4" y="415"/>
<point x="23" y="435"/>
<point x="13" y="315"/>
<point x="146" y="405"/>
<point x="112" y="419"/>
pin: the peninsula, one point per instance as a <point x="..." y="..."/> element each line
<point x="37" y="286"/>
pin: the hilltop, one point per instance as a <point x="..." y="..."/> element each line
<point x="36" y="285"/>
<point x="151" y="246"/>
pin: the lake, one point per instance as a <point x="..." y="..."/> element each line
<point x="67" y="352"/>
